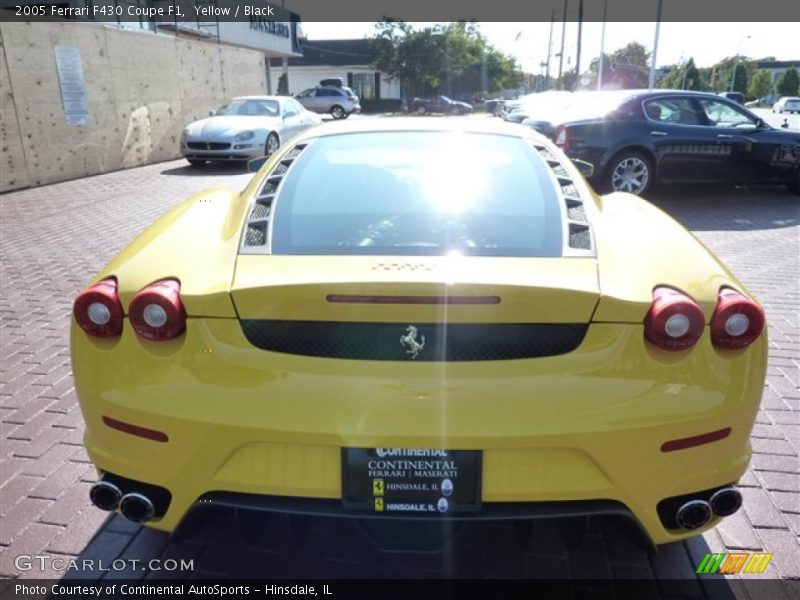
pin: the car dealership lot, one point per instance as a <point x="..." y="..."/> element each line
<point x="55" y="237"/>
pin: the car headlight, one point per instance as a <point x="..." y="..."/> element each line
<point x="244" y="135"/>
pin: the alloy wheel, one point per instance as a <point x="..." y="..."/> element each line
<point x="632" y="174"/>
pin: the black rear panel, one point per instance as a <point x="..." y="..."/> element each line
<point x="430" y="341"/>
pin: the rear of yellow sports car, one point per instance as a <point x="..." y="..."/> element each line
<point x="612" y="377"/>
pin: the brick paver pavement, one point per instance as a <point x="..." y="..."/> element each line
<point x="55" y="237"/>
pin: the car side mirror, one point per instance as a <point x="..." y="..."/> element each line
<point x="254" y="164"/>
<point x="212" y="112"/>
<point x="584" y="168"/>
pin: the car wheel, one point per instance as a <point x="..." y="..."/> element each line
<point x="630" y="171"/>
<point x="196" y="163"/>
<point x="337" y="112"/>
<point x="421" y="110"/>
<point x="273" y="143"/>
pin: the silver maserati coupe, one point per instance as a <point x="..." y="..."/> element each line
<point x="247" y="127"/>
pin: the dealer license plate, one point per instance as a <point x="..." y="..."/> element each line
<point x="411" y="480"/>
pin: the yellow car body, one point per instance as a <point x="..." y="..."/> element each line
<point x="586" y="425"/>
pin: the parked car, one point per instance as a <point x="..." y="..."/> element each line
<point x="737" y="97"/>
<point x="419" y="319"/>
<point x="246" y="127"/>
<point x="790" y="104"/>
<point x="338" y="101"/>
<point x="541" y="105"/>
<point x="440" y="104"/>
<point x="495" y="106"/>
<point x="636" y="138"/>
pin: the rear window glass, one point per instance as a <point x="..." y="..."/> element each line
<point x="418" y="193"/>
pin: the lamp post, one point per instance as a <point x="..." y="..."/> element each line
<point x="652" y="81"/>
<point x="602" y="48"/>
<point x="736" y="59"/>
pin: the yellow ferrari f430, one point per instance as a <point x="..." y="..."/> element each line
<point x="421" y="320"/>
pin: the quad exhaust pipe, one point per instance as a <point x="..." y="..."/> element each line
<point x="105" y="495"/>
<point x="694" y="514"/>
<point x="726" y="501"/>
<point x="137" y="508"/>
<point x="133" y="506"/>
<point x="697" y="513"/>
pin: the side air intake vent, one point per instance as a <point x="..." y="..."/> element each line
<point x="256" y="234"/>
<point x="577" y="229"/>
<point x="579" y="236"/>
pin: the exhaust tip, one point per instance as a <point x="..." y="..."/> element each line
<point x="694" y="514"/>
<point x="726" y="501"/>
<point x="105" y="495"/>
<point x="137" y="508"/>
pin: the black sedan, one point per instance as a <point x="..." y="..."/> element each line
<point x="636" y="139"/>
<point x="440" y="104"/>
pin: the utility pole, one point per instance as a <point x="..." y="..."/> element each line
<point x="563" y="35"/>
<point x="578" y="59"/>
<point x="652" y="83"/>
<point x="549" y="48"/>
<point x="602" y="48"/>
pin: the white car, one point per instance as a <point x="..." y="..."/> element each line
<point x="533" y="105"/>
<point x="247" y="127"/>
<point x="790" y="104"/>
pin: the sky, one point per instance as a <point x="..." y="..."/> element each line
<point x="707" y="43"/>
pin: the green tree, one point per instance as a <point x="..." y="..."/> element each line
<point x="760" y="84"/>
<point x="453" y="59"/>
<point x="625" y="68"/>
<point x="724" y="70"/>
<point x="788" y="83"/>
<point x="683" y="77"/>
<point x="283" y="85"/>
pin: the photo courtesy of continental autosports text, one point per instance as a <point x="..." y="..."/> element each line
<point x="179" y="590"/>
<point x="399" y="300"/>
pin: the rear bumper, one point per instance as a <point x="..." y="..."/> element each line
<point x="585" y="426"/>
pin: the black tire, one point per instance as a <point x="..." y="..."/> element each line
<point x="420" y="110"/>
<point x="620" y="175"/>
<point x="272" y="145"/>
<point x="196" y="163"/>
<point x="337" y="112"/>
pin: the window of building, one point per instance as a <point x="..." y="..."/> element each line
<point x="364" y="85"/>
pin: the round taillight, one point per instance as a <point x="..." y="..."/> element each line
<point x="157" y="312"/>
<point x="737" y="321"/>
<point x="97" y="310"/>
<point x="675" y="321"/>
